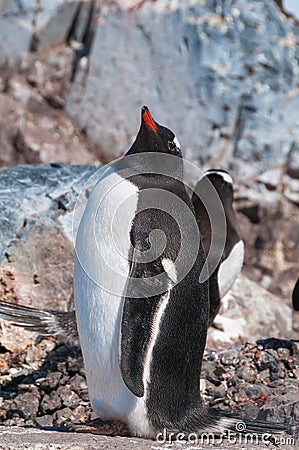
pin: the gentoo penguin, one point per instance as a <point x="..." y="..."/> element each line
<point x="295" y="296"/>
<point x="143" y="352"/>
<point x="230" y="264"/>
<point x="143" y="347"/>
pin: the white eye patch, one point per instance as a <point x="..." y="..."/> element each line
<point x="178" y="145"/>
<point x="224" y="175"/>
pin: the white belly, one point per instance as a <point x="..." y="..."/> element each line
<point x="230" y="269"/>
<point x="98" y="318"/>
<point x="100" y="276"/>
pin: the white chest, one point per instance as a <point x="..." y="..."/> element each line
<point x="230" y="268"/>
<point x="100" y="276"/>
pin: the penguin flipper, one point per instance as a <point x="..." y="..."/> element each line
<point x="137" y="328"/>
<point x="44" y="322"/>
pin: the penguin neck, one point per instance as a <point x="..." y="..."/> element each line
<point x="153" y="163"/>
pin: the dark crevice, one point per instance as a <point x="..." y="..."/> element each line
<point x="71" y="34"/>
<point x="35" y="279"/>
<point x="3" y="349"/>
<point x="87" y="37"/>
<point x="252" y="212"/>
<point x="34" y="41"/>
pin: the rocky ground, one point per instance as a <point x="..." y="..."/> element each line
<point x="44" y="385"/>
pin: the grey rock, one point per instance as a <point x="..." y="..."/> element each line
<point x="266" y="361"/>
<point x="284" y="404"/>
<point x="291" y="190"/>
<point x="68" y="397"/>
<point x="63" y="415"/>
<point x="248" y="310"/>
<point x="230" y="357"/>
<point x="269" y="230"/>
<point x="27" y="403"/>
<point x="255" y="391"/>
<point x="234" y="89"/>
<point x="44" y="421"/>
<point x="248" y="374"/>
<point x="51" y="402"/>
<point x="15" y="37"/>
<point x="36" y="211"/>
<point x="30" y="26"/>
<point x="32" y="128"/>
<point x="251" y="410"/>
<point x="271" y="178"/>
<point x="217" y="393"/>
<point x="50" y="382"/>
<point x="78" y="384"/>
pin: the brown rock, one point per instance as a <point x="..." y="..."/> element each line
<point x="39" y="267"/>
<point x="32" y="130"/>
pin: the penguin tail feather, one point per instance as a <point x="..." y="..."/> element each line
<point x="45" y="322"/>
<point x="220" y="422"/>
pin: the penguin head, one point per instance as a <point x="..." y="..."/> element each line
<point x="203" y="200"/>
<point x="222" y="182"/>
<point x="153" y="137"/>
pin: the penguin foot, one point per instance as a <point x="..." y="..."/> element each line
<point x="98" y="426"/>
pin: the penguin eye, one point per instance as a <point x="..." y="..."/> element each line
<point x="171" y="145"/>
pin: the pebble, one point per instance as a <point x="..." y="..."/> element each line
<point x="28" y="403"/>
<point x="51" y="402"/>
<point x="68" y="397"/>
<point x="256" y="391"/>
<point x="266" y="361"/>
<point x="50" y="382"/>
<point x="230" y="358"/>
<point x="44" y="421"/>
<point x="246" y="373"/>
<point x="62" y="416"/>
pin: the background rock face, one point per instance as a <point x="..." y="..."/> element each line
<point x="31" y="129"/>
<point x="33" y="25"/>
<point x="223" y="75"/>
